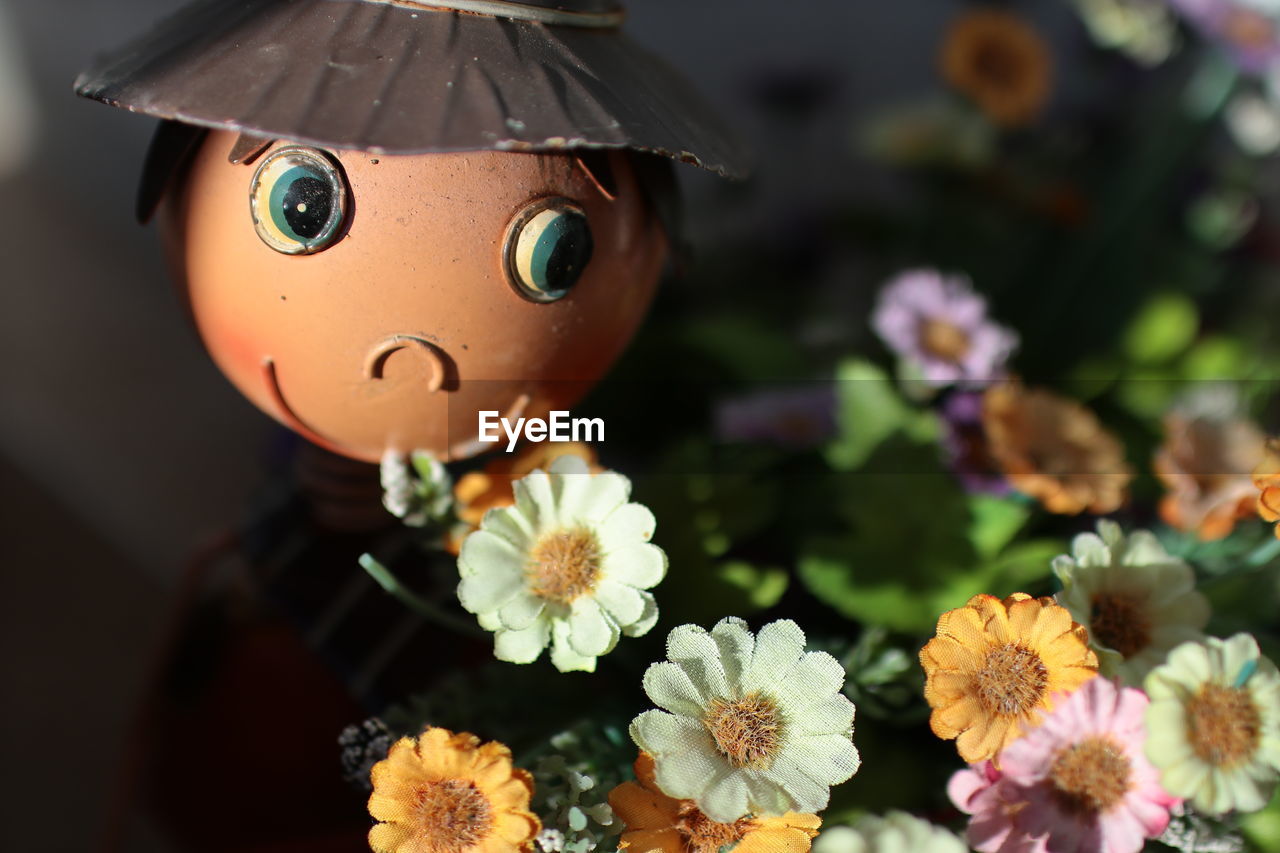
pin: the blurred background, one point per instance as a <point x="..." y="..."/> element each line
<point x="123" y="451"/>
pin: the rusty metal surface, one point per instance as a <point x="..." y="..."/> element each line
<point x="383" y="78"/>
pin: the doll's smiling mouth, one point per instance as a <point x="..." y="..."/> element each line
<point x="286" y="411"/>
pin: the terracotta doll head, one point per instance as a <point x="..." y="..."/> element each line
<point x="388" y="216"/>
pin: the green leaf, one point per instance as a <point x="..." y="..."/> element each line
<point x="996" y="520"/>
<point x="1263" y="828"/>
<point x="1163" y="329"/>
<point x="762" y="586"/>
<point x="869" y="410"/>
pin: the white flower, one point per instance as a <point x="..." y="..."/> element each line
<point x="1136" y="601"/>
<point x="417" y="501"/>
<point x="1213" y="725"/>
<point x="568" y="565"/>
<point x="896" y="832"/>
<point x="756" y="724"/>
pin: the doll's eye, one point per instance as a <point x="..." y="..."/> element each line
<point x="298" y="201"/>
<point x="548" y="247"/>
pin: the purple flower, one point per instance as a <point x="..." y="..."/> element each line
<point x="939" y="325"/>
<point x="794" y="417"/>
<point x="965" y="444"/>
<point x="1248" y="29"/>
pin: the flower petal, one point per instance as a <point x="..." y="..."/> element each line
<point x="669" y="686"/>
<point x="522" y="646"/>
<point x="591" y="632"/>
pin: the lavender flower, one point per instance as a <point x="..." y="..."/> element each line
<point x="965" y="445"/>
<point x="797" y="417"/>
<point x="1248" y="29"/>
<point x="940" y="326"/>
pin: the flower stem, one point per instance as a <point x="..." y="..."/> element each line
<point x="415" y="602"/>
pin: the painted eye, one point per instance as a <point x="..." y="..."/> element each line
<point x="298" y="201"/>
<point x="548" y="247"/>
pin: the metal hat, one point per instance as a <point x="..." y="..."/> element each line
<point x="410" y="77"/>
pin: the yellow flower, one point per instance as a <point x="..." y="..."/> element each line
<point x="995" y="665"/>
<point x="1000" y="62"/>
<point x="1055" y="450"/>
<point x="1267" y="478"/>
<point x="446" y="793"/>
<point x="657" y="823"/>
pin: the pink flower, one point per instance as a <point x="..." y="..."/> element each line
<point x="1077" y="783"/>
<point x="939" y="325"/>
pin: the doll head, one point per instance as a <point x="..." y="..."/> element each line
<point x="383" y="302"/>
<point x="389" y="215"/>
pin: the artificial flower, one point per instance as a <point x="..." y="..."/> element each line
<point x="568" y="565"/>
<point x="1136" y="601"/>
<point x="995" y="665"/>
<point x="1144" y="30"/>
<point x="1205" y="464"/>
<point x="477" y="492"/>
<point x="754" y="725"/>
<point x="965" y="445"/>
<point x="1266" y="478"/>
<point x="1214" y="724"/>
<point x="1055" y="450"/>
<point x="1249" y="30"/>
<point x="447" y="793"/>
<point x="657" y="823"/>
<point x="417" y="490"/>
<point x="1078" y="781"/>
<point x="896" y="832"/>
<point x="1000" y="62"/>
<point x="793" y="417"/>
<point x="939" y="326"/>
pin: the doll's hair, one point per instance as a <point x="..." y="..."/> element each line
<point x="175" y="144"/>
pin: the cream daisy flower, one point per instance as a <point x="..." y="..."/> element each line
<point x="1214" y="724"/>
<point x="896" y="832"/>
<point x="756" y="724"/>
<point x="567" y="565"/>
<point x="1136" y="601"/>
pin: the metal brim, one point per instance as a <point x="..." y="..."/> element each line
<point x="381" y="78"/>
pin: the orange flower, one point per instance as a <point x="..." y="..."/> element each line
<point x="1000" y="62"/>
<point x="657" y="823"/>
<point x="1267" y="478"/>
<point x="478" y="492"/>
<point x="445" y="793"/>
<point x="1205" y="463"/>
<point x="1055" y="449"/>
<point x="995" y="665"/>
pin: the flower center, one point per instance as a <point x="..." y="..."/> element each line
<point x="1119" y="622"/>
<point x="453" y="816"/>
<point x="1090" y="777"/>
<point x="564" y="565"/>
<point x="1223" y="724"/>
<point x="1012" y="680"/>
<point x="1248" y="29"/>
<point x="944" y="340"/>
<point x="747" y="731"/>
<point x="703" y="835"/>
<point x="998" y="63"/>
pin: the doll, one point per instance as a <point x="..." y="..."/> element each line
<point x="390" y="216"/>
<point x="385" y="216"/>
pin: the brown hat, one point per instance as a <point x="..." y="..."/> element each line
<point x="410" y="77"/>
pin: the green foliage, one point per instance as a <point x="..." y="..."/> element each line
<point x="869" y="411"/>
<point x="1163" y="329"/>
